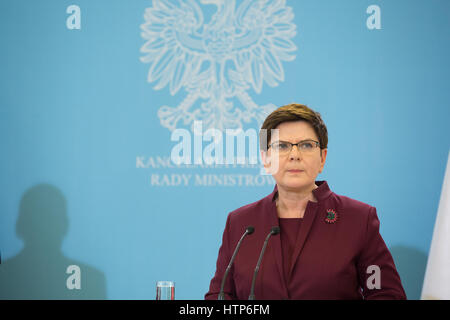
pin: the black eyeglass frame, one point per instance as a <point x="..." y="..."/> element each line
<point x="295" y="144"/>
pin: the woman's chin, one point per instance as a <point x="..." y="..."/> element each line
<point x="295" y="185"/>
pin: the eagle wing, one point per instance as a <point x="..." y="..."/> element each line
<point x="263" y="40"/>
<point x="174" y="47"/>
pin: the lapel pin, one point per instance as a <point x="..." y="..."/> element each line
<point x="331" y="217"/>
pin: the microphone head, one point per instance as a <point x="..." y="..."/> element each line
<point x="250" y="229"/>
<point x="275" y="230"/>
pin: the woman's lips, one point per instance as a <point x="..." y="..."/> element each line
<point x="295" y="171"/>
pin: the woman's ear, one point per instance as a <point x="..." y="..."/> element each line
<point x="264" y="158"/>
<point x="323" y="157"/>
<point x="270" y="162"/>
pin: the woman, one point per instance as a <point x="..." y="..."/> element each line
<point x="329" y="246"/>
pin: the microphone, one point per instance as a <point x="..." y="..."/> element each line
<point x="274" y="230"/>
<point x="248" y="231"/>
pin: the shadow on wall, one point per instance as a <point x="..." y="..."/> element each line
<point x="411" y="264"/>
<point x="39" y="270"/>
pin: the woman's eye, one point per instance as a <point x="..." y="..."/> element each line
<point x="283" y="146"/>
<point x="306" y="145"/>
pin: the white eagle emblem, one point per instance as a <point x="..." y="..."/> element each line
<point x="217" y="62"/>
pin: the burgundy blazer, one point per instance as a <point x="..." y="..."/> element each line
<point x="338" y="240"/>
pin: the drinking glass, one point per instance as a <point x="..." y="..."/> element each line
<point x="165" y="290"/>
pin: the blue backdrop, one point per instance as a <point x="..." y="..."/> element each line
<point x="86" y="176"/>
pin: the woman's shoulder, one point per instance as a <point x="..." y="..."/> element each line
<point x="251" y="208"/>
<point x="352" y="209"/>
<point x="351" y="203"/>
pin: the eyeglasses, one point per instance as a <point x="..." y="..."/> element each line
<point x="284" y="147"/>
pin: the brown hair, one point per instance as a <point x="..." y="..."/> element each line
<point x="293" y="112"/>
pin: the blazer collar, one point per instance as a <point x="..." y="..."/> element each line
<point x="321" y="193"/>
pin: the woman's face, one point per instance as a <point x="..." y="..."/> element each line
<point x="295" y="170"/>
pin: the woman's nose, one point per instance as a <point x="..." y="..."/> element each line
<point x="295" y="154"/>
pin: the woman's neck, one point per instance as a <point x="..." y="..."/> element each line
<point x="292" y="203"/>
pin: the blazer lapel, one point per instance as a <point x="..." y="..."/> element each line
<point x="305" y="227"/>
